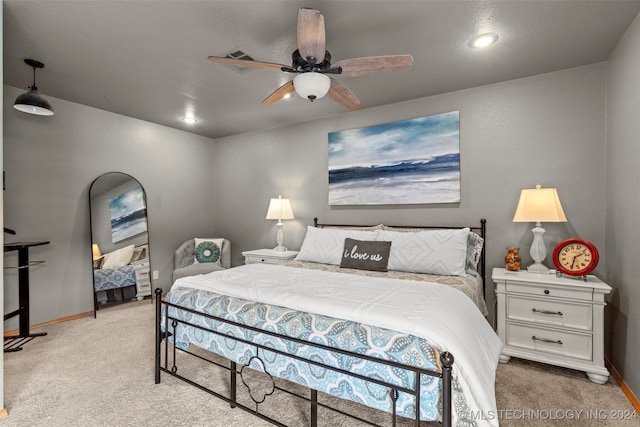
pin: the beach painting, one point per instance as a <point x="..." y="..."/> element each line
<point x="128" y="213"/>
<point x="414" y="161"/>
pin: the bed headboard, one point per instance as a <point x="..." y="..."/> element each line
<point x="481" y="230"/>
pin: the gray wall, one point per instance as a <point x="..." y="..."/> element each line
<point x="623" y="205"/>
<point x="547" y="129"/>
<point x="50" y="162"/>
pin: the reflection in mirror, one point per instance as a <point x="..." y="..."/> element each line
<point x="119" y="240"/>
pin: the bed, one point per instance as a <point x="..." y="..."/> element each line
<point x="411" y="341"/>
<point x="116" y="271"/>
<point x="105" y="279"/>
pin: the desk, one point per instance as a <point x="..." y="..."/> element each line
<point x="14" y="342"/>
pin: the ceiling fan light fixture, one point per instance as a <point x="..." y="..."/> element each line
<point x="32" y="102"/>
<point x="312" y="85"/>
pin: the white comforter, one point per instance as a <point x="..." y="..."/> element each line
<point x="442" y="315"/>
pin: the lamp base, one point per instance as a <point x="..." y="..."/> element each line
<point x="280" y="248"/>
<point x="538" y="251"/>
<point x="538" y="268"/>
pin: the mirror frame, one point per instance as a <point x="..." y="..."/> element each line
<point x="92" y="187"/>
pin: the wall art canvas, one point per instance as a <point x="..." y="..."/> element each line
<point x="414" y="161"/>
<point x="128" y="214"/>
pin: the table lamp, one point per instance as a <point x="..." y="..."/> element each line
<point x="539" y="205"/>
<point x="96" y="251"/>
<point x="280" y="209"/>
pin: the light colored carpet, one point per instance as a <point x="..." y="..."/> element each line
<point x="99" y="372"/>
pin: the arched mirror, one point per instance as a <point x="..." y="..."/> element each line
<point x="119" y="240"/>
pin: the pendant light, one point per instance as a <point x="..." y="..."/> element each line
<point x="32" y="102"/>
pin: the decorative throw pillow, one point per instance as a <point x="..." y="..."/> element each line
<point x="442" y="252"/>
<point x="118" y="258"/>
<point x="324" y="245"/>
<point x="365" y="255"/>
<point x="207" y="250"/>
<point x="140" y="253"/>
<point x="97" y="263"/>
<point x="475" y="243"/>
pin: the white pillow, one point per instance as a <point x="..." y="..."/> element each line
<point x="442" y="252"/>
<point x="475" y="244"/>
<point x="207" y="251"/>
<point x="118" y="258"/>
<point x="324" y="245"/>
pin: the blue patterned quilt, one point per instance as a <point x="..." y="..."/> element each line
<point x="355" y="337"/>
<point x="105" y="279"/>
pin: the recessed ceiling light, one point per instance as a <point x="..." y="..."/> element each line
<point x="189" y="120"/>
<point x="483" y="40"/>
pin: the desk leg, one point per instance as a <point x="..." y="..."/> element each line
<point x="14" y="343"/>
<point x="23" y="290"/>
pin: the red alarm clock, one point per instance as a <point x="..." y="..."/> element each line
<point x="575" y="257"/>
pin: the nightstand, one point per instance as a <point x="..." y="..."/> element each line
<point x="143" y="281"/>
<point x="555" y="320"/>
<point x="268" y="256"/>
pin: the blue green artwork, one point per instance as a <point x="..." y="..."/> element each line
<point x="414" y="161"/>
<point x="128" y="214"/>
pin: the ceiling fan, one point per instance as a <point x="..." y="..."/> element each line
<point x="312" y="63"/>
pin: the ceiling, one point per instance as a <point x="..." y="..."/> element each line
<point x="148" y="59"/>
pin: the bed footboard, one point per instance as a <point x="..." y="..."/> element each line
<point x="166" y="362"/>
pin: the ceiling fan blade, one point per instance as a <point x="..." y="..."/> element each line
<point x="373" y="64"/>
<point x="279" y="93"/>
<point x="311" y="35"/>
<point x="245" y="63"/>
<point x="342" y="95"/>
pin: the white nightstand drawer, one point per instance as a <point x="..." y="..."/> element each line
<point x="585" y="294"/>
<point x="268" y="256"/>
<point x="257" y="260"/>
<point x="549" y="312"/>
<point x="551" y="341"/>
<point x="143" y="281"/>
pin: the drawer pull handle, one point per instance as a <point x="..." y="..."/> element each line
<point x="555" y="313"/>
<point x="546" y="340"/>
<point x="546" y="291"/>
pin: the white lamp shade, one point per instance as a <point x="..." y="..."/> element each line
<point x="539" y="205"/>
<point x="280" y="209"/>
<point x="311" y="85"/>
